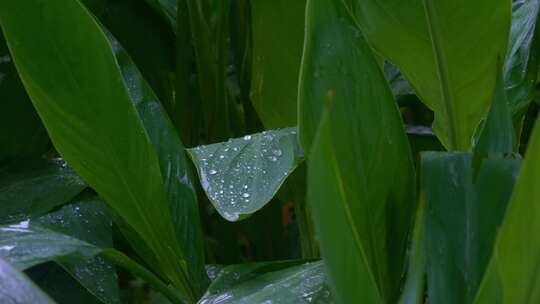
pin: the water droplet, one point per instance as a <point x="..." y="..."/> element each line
<point x="212" y="172"/>
<point x="221" y="157"/>
<point x="247" y="137"/>
<point x="245" y="186"/>
<point x="272" y="158"/>
<point x="277" y="152"/>
<point x="245" y="195"/>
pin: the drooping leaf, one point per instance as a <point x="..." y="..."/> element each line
<point x="27" y="244"/>
<point x="463" y="212"/>
<point x="242" y="175"/>
<point x="512" y="275"/>
<point x="363" y="211"/>
<point x="95" y="123"/>
<point x="22" y="135"/>
<point x="275" y="66"/>
<point x="447" y="49"/>
<point x="271" y="282"/>
<point x="522" y="59"/>
<point x="16" y="288"/>
<point x="35" y="188"/>
<point x="87" y="219"/>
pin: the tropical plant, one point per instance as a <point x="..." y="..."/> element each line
<point x="257" y="151"/>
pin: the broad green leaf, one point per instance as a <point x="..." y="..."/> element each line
<point x="242" y="175"/>
<point x="22" y="134"/>
<point x="35" y="188"/>
<point x="16" y="288"/>
<point x="512" y="274"/>
<point x="27" y="244"/>
<point x="87" y="219"/>
<point x="447" y="49"/>
<point x="95" y="123"/>
<point x="278" y="32"/>
<point x="463" y="212"/>
<point x="363" y="211"/>
<point x="271" y="282"/>
<point x="522" y="59"/>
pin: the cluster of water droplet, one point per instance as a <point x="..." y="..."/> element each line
<point x="240" y="171"/>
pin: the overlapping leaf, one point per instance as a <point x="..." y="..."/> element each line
<point x="363" y="211"/>
<point x="447" y="49"/>
<point x="464" y="210"/>
<point x="106" y="126"/>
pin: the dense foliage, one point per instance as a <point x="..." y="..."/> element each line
<point x="269" y="151"/>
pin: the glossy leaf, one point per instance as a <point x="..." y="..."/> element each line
<point x="26" y="244"/>
<point x="35" y="188"/>
<point x="87" y="219"/>
<point x="512" y="274"/>
<point x="177" y="177"/>
<point x="242" y="175"/>
<point x="447" y="49"/>
<point x="363" y="211"/>
<point x="96" y="123"/>
<point x="463" y="211"/>
<point x="272" y="282"/>
<point x="16" y="288"/>
<point x="522" y="59"/>
<point x="275" y="66"/>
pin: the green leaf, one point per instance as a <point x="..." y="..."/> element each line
<point x="513" y="274"/>
<point x="363" y="211"/>
<point x="209" y="21"/>
<point x="522" y="59"/>
<point x="463" y="212"/>
<point x="275" y="66"/>
<point x="88" y="220"/>
<point x="448" y="53"/>
<point x="97" y="124"/>
<point x="497" y="136"/>
<point x="16" y="288"/>
<point x="27" y="244"/>
<point x="242" y="175"/>
<point x="59" y="284"/>
<point x="22" y="134"/>
<point x="272" y="282"/>
<point x="35" y="188"/>
<point x="177" y="178"/>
